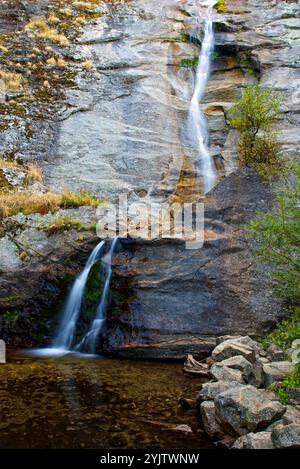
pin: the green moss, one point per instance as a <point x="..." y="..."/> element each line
<point x="289" y="382"/>
<point x="220" y="6"/>
<point x="189" y="63"/>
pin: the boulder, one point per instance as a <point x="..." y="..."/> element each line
<point x="276" y="371"/>
<point x="238" y="363"/>
<point x="275" y="353"/>
<point x="224" y="373"/>
<point x="291" y="416"/>
<point x="287" y="436"/>
<point x="239" y="346"/>
<point x="210" y="391"/>
<point x="293" y="395"/>
<point x="210" y="424"/>
<point x="260" y="440"/>
<point x="246" y="409"/>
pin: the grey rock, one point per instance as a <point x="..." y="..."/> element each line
<point x="275" y="353"/>
<point x="238" y="363"/>
<point x="260" y="440"/>
<point x="287" y="436"/>
<point x="210" y="391"/>
<point x="291" y="416"/>
<point x="9" y="255"/>
<point x="224" y="373"/>
<point x="2" y="351"/>
<point x="210" y="424"/>
<point x="232" y="347"/>
<point x="245" y="409"/>
<point x="276" y="371"/>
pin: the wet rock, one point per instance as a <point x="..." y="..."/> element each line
<point x="210" y="424"/>
<point x="245" y="409"/>
<point x="286" y="437"/>
<point x="276" y="371"/>
<point x="260" y="440"/>
<point x="210" y="391"/>
<point x="224" y="373"/>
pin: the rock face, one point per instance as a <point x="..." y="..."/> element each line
<point x="123" y="129"/>
<point x="245" y="409"/>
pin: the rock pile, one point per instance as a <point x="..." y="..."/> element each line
<point x="237" y="410"/>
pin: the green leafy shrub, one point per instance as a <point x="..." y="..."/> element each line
<point x="254" y="116"/>
<point x="290" y="381"/>
<point x="286" y="331"/>
<point x="220" y="6"/>
<point x="278" y="235"/>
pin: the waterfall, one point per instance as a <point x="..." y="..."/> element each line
<point x="89" y="341"/>
<point x="197" y="121"/>
<point x="68" y="324"/>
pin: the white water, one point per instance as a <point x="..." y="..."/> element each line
<point x="68" y="324"/>
<point x="197" y="122"/>
<point x="89" y="341"/>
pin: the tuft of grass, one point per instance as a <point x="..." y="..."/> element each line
<point x="87" y="65"/>
<point x="4" y="164"/>
<point x="41" y="29"/>
<point x="26" y="201"/>
<point x="12" y="81"/>
<point x="64" y="224"/>
<point x="74" y="200"/>
<point x="84" y="6"/>
<point x="290" y="381"/>
<point x="33" y="174"/>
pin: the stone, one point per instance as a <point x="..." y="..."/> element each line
<point x="293" y="395"/>
<point x="238" y="363"/>
<point x="210" y="424"/>
<point x="232" y="347"/>
<point x="260" y="440"/>
<point x="9" y="255"/>
<point x="224" y="373"/>
<point x="2" y="351"/>
<point x="276" y="371"/>
<point x="275" y="353"/>
<point x="246" y="409"/>
<point x="210" y="391"/>
<point x="287" y="436"/>
<point x="291" y="416"/>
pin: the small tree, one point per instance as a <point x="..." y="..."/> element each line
<point x="278" y="234"/>
<point x="254" y="116"/>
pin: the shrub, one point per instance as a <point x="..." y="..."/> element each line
<point x="286" y="331"/>
<point x="254" y="116"/>
<point x="278" y="234"/>
<point x="220" y="6"/>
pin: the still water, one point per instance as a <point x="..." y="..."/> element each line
<point x="77" y="402"/>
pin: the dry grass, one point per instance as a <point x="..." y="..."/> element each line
<point x="84" y="6"/>
<point x="87" y="65"/>
<point x="41" y="29"/>
<point x="9" y="164"/>
<point x="33" y="174"/>
<point x="12" y="81"/>
<point x="27" y="201"/>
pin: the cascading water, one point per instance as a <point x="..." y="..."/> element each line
<point x="89" y="341"/>
<point x="67" y="327"/>
<point x="197" y="122"/>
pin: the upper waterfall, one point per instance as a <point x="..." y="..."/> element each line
<point x="196" y="121"/>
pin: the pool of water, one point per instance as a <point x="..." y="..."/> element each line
<point x="80" y="402"/>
